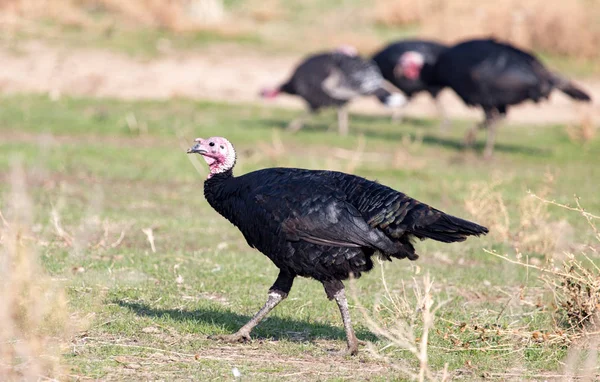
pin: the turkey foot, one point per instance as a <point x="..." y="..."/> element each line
<point x="298" y="123"/>
<point x="238" y="337"/>
<point x="275" y="296"/>
<point x="350" y="350"/>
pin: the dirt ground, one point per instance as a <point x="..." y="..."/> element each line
<point x="224" y="73"/>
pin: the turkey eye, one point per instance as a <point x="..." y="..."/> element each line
<point x="211" y="144"/>
<point x="222" y="147"/>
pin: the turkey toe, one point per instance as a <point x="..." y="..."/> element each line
<point x="232" y="338"/>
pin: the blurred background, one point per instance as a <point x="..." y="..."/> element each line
<point x="227" y="50"/>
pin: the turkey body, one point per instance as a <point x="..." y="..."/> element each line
<point x="494" y="75"/>
<point x="387" y="61"/>
<point x="327" y="225"/>
<point x="333" y="79"/>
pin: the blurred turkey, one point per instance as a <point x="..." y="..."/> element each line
<point x="401" y="69"/>
<point x="494" y="76"/>
<point x="332" y="79"/>
<point x="326" y="225"/>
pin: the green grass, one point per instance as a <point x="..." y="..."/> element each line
<point x="144" y="42"/>
<point x="149" y="314"/>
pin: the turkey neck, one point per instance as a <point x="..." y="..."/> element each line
<point x="287" y="88"/>
<point x="428" y="75"/>
<point x="216" y="191"/>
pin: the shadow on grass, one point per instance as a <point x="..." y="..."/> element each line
<point x="311" y="124"/>
<point x="429" y="123"/>
<point x="272" y="327"/>
<point x="455" y="144"/>
<point x="479" y="146"/>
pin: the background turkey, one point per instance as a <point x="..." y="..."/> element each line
<point x="333" y="79"/>
<point x="405" y="75"/>
<point x="493" y="76"/>
<point x="325" y="225"/>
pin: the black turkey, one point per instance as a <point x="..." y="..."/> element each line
<point x="332" y="79"/>
<point x="325" y="225"/>
<point x="495" y="75"/>
<point x="401" y="69"/>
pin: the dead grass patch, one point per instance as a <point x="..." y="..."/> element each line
<point x="304" y="368"/>
<point x="177" y="15"/>
<point x="562" y="27"/>
<point x="33" y="307"/>
<point x="263" y="11"/>
<point x="396" y="318"/>
<point x="533" y="231"/>
<point x="574" y="284"/>
<point x="582" y="132"/>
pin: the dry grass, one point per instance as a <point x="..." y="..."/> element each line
<point x="574" y="285"/>
<point x="562" y="27"/>
<point x="397" y="318"/>
<point x="263" y="11"/>
<point x="567" y="28"/>
<point x="175" y="15"/>
<point x="402" y="12"/>
<point x="532" y="232"/>
<point x="582" y="132"/>
<point x="576" y="288"/>
<point x="33" y="308"/>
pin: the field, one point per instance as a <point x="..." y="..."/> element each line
<point x="150" y="270"/>
<point x="114" y="267"/>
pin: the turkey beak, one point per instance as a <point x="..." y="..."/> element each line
<point x="197" y="148"/>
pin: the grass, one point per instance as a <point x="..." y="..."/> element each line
<point x="144" y="42"/>
<point x="149" y="313"/>
<point x="300" y="26"/>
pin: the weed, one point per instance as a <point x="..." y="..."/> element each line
<point x="575" y="304"/>
<point x="33" y="307"/>
<point x="397" y="319"/>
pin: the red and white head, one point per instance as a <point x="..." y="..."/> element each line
<point x="348" y="50"/>
<point x="409" y="65"/>
<point x="270" y="93"/>
<point x="218" y="153"/>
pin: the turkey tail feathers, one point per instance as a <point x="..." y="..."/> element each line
<point x="569" y="88"/>
<point x="449" y="229"/>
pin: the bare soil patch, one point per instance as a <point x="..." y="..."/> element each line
<point x="223" y="73"/>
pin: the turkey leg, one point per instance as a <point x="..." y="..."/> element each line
<point x="277" y="293"/>
<point x="490" y="118"/>
<point x="342" y="113"/>
<point x="491" y="138"/>
<point x="398" y="115"/>
<point x="298" y="123"/>
<point x="335" y="291"/>
<point x="444" y="121"/>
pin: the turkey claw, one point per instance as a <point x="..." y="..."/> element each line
<point x="344" y="352"/>
<point x="232" y="338"/>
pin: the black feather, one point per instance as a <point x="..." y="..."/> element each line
<point x="332" y="79"/>
<point x="387" y="59"/>
<point x="325" y="224"/>
<point x="495" y="75"/>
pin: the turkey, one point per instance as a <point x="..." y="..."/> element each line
<point x="325" y="225"/>
<point x="494" y="76"/>
<point x="332" y="79"/>
<point x="401" y="69"/>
